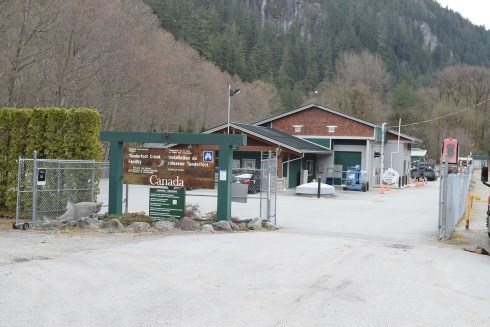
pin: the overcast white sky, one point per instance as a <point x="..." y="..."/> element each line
<point x="477" y="11"/>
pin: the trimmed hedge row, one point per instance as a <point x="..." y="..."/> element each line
<point x="53" y="132"/>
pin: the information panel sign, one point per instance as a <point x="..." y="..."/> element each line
<point x="167" y="203"/>
<point x="188" y="168"/>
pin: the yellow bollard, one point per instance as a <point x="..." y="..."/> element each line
<point x="469" y="204"/>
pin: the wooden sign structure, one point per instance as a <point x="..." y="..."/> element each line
<point x="187" y="168"/>
<point x="225" y="142"/>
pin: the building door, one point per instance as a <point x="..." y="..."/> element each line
<point x="346" y="159"/>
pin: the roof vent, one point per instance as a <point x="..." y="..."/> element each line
<point x="297" y="128"/>
<point x="331" y="129"/>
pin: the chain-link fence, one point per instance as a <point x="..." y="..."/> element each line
<point x="44" y="186"/>
<point x="259" y="199"/>
<point x="454" y="188"/>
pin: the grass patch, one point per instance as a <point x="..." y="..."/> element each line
<point x="457" y="239"/>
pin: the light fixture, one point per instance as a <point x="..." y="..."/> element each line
<point x="231" y="92"/>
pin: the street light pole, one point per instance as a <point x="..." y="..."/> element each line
<point x="229" y="107"/>
<point x="382" y="151"/>
<point x="231" y="92"/>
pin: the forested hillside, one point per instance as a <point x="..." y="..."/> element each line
<point x="379" y="60"/>
<point x="296" y="44"/>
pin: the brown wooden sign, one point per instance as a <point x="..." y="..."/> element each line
<point x="189" y="168"/>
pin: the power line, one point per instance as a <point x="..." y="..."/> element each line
<point x="441" y="117"/>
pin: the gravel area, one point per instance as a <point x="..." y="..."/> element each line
<point x="21" y="246"/>
<point x="477" y="234"/>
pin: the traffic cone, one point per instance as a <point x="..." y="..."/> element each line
<point x="388" y="187"/>
<point x="416" y="183"/>
<point x="382" y="189"/>
<point x="409" y="180"/>
<point x="423" y="181"/>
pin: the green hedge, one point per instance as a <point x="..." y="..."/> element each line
<point x="53" y="132"/>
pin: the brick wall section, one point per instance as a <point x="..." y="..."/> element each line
<point x="315" y="122"/>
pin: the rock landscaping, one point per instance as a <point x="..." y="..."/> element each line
<point x="195" y="224"/>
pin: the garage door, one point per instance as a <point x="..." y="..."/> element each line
<point x="346" y="159"/>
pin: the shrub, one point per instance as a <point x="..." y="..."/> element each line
<point x="192" y="211"/>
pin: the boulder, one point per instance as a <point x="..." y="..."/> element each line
<point x="222" y="225"/>
<point x="82" y="223"/>
<point x="208" y="228"/>
<point x="111" y="224"/>
<point x="139" y="225"/>
<point x="164" y="225"/>
<point x="234" y="226"/>
<point x="255" y="224"/>
<point x="242" y="227"/>
<point x="188" y="224"/>
<point x="239" y="221"/>
<point x="268" y="225"/>
<point x="86" y="221"/>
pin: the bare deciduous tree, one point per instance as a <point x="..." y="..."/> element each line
<point x="113" y="56"/>
<point x="467" y="90"/>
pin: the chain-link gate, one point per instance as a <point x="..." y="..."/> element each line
<point x="261" y="194"/>
<point x="45" y="186"/>
<point x="453" y="190"/>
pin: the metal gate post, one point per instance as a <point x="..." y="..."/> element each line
<point x="115" y="177"/>
<point x="17" y="207"/>
<point x="224" y="181"/>
<point x="34" y="189"/>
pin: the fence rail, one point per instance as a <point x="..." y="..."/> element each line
<point x="454" y="188"/>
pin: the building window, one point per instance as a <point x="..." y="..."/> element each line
<point x="297" y="128"/>
<point x="331" y="129"/>
<point x="309" y="167"/>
